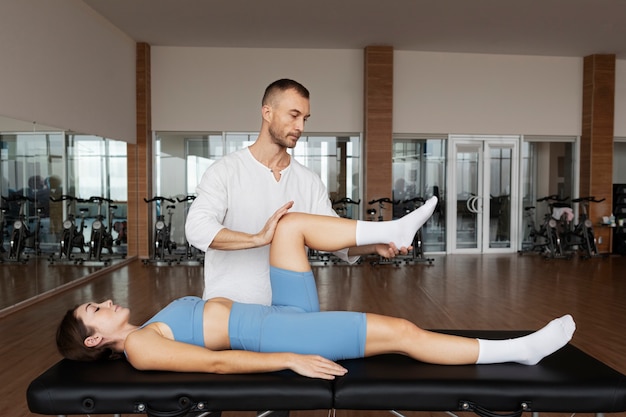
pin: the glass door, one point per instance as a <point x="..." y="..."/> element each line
<point x="483" y="187"/>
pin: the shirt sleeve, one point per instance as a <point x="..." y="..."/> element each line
<point x="206" y="214"/>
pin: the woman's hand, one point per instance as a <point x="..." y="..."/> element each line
<point x="314" y="366"/>
<point x="265" y="236"/>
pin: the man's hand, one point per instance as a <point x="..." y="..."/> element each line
<point x="265" y="236"/>
<point x="391" y="251"/>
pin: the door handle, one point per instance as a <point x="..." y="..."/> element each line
<point x="472" y="204"/>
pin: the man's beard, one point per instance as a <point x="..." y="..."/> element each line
<point x="282" y="140"/>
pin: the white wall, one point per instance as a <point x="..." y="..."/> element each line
<point x="200" y="89"/>
<point x="63" y="65"/>
<point x="486" y="94"/>
<point x="220" y="89"/>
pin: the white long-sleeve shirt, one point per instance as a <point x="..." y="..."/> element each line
<point x="239" y="193"/>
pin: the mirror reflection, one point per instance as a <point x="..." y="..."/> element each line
<point x="62" y="209"/>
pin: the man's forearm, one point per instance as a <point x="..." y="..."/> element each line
<point x="362" y="250"/>
<point x="227" y="239"/>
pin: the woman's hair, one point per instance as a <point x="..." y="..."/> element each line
<point x="71" y="336"/>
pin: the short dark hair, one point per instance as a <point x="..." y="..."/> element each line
<point x="70" y="338"/>
<point x="281" y="85"/>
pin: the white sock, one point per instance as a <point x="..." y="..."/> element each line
<point x="400" y="231"/>
<point x="530" y="349"/>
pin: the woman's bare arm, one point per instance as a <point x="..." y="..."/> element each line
<point x="146" y="349"/>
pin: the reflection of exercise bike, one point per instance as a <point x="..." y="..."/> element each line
<point x="162" y="230"/>
<point x="72" y="235"/>
<point x="417" y="254"/>
<point x="20" y="233"/>
<point x="192" y="254"/>
<point x="101" y="238"/>
<point x="21" y="236"/>
<point x="3" y="213"/>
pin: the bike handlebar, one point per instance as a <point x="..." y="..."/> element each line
<point x="188" y="198"/>
<point x="159" y="198"/>
<point x="67" y="197"/>
<point x="18" y="197"/>
<point x="346" y="200"/>
<point x="414" y="200"/>
<point x="382" y="200"/>
<point x="96" y="199"/>
<point x="552" y="197"/>
<point x="591" y="199"/>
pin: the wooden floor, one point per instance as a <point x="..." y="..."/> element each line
<point x="456" y="292"/>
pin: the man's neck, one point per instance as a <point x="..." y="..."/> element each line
<point x="273" y="156"/>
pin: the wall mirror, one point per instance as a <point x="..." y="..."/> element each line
<point x="57" y="188"/>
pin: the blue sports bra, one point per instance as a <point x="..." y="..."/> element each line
<point x="184" y="317"/>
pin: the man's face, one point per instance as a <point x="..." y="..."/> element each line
<point x="287" y="115"/>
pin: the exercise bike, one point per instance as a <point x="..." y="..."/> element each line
<point x="341" y="206"/>
<point x="21" y="236"/>
<point x="72" y="235"/>
<point x="193" y="256"/>
<point x="162" y="230"/>
<point x="547" y="239"/>
<point x="581" y="236"/>
<point x="3" y="213"/>
<point x="417" y="254"/>
<point x="372" y="217"/>
<point x="322" y="258"/>
<point x="101" y="238"/>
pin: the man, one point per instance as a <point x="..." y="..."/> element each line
<point x="240" y="192"/>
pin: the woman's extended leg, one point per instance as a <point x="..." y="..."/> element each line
<point x="297" y="230"/>
<point x="393" y="335"/>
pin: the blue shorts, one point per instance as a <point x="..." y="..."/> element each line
<point x="293" y="327"/>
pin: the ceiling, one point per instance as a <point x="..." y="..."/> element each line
<point x="573" y="28"/>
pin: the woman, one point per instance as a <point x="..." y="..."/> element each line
<point x="220" y="336"/>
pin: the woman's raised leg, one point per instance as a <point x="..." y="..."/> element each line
<point x="297" y="230"/>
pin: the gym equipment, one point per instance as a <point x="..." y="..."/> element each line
<point x="193" y="256"/>
<point x="162" y="239"/>
<point x="547" y="239"/>
<point x="21" y="236"/>
<point x="72" y="235"/>
<point x="417" y="254"/>
<point x="379" y="260"/>
<point x="581" y="237"/>
<point x="320" y="258"/>
<point x="101" y="237"/>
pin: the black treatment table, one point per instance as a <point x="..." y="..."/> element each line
<point x="567" y="381"/>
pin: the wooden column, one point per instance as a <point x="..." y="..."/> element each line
<point x="140" y="158"/>
<point x="596" y="142"/>
<point x="378" y="127"/>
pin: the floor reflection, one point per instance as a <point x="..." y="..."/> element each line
<point x="22" y="282"/>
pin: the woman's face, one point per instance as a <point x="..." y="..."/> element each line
<point x="105" y="317"/>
